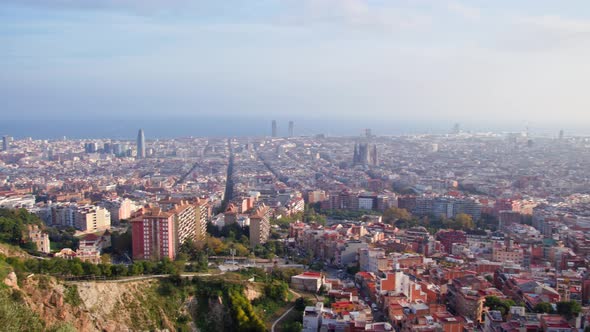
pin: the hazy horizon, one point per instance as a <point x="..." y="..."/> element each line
<point x="402" y="66"/>
<point x="225" y="126"/>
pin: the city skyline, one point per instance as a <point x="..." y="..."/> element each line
<point x="126" y="129"/>
<point x="295" y="165"/>
<point x="421" y="62"/>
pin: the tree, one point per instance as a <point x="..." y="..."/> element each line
<point x="216" y="245"/>
<point x="243" y="313"/>
<point x="91" y="269"/>
<point x="121" y="243"/>
<point x="543" y="308"/>
<point x="568" y="309"/>
<point x="76" y="269"/>
<point x="135" y="269"/>
<point x="201" y="262"/>
<point x="105" y="270"/>
<point x="293" y="327"/>
<point x="394" y="214"/>
<point x="241" y="250"/>
<point x="276" y="290"/>
<point x="105" y="258"/>
<point x="464" y="221"/>
<point x="301" y="303"/>
<point x="495" y="303"/>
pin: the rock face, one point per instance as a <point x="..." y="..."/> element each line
<point x="106" y="307"/>
<point x="46" y="297"/>
<point x="252" y="293"/>
<point x="11" y="280"/>
<point x="114" y="306"/>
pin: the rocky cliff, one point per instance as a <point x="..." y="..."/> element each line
<point x="97" y="306"/>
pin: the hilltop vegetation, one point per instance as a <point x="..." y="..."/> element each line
<point x="37" y="298"/>
<point x="13" y="227"/>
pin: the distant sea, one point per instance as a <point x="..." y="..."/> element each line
<point x="126" y="127"/>
<point x="170" y="127"/>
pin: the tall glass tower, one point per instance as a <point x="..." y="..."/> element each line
<point x="140" y="145"/>
<point x="291" y="127"/>
<point x="274" y="128"/>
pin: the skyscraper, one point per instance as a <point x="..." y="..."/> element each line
<point x="140" y="145"/>
<point x="291" y="125"/>
<point x="4" y="143"/>
<point x="274" y="128"/>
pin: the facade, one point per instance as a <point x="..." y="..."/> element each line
<point x="367" y="202"/>
<point x="348" y="252"/>
<point x="92" y="218"/>
<point x="467" y="206"/>
<point x="185" y="220"/>
<point x="448" y="237"/>
<point x="465" y="298"/>
<point x="202" y="215"/>
<point x="92" y="245"/>
<point x="120" y="209"/>
<point x="259" y="226"/>
<point x="312" y="317"/>
<point x="364" y="154"/>
<point x="447" y="207"/>
<point x="191" y="218"/>
<point x="63" y="215"/>
<point x="153" y="235"/>
<point x="316" y="196"/>
<point x="40" y="238"/>
<point x="508" y="254"/>
<point x="308" y="281"/>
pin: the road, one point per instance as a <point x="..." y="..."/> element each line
<point x="147" y="277"/>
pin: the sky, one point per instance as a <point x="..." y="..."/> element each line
<point x="98" y="67"/>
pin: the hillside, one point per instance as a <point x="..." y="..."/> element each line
<point x="92" y="306"/>
<point x="35" y="295"/>
<point x="44" y="303"/>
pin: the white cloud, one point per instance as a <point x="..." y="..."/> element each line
<point x="546" y="33"/>
<point x="356" y="14"/>
<point x="555" y="24"/>
<point x="470" y="13"/>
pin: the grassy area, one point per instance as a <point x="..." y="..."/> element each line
<point x="5" y="269"/>
<point x="72" y="296"/>
<point x="292" y="317"/>
<point x="167" y="297"/>
<point x="270" y="318"/>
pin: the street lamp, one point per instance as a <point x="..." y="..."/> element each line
<point x="233" y="256"/>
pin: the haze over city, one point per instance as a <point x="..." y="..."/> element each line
<point x="222" y="68"/>
<point x="294" y="165"/>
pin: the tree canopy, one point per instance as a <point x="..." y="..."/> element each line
<point x="495" y="303"/>
<point x="543" y="308"/>
<point x="568" y="309"/>
<point x="13" y="227"/>
<point x="394" y="214"/>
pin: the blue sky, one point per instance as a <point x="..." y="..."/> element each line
<point x="482" y="62"/>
